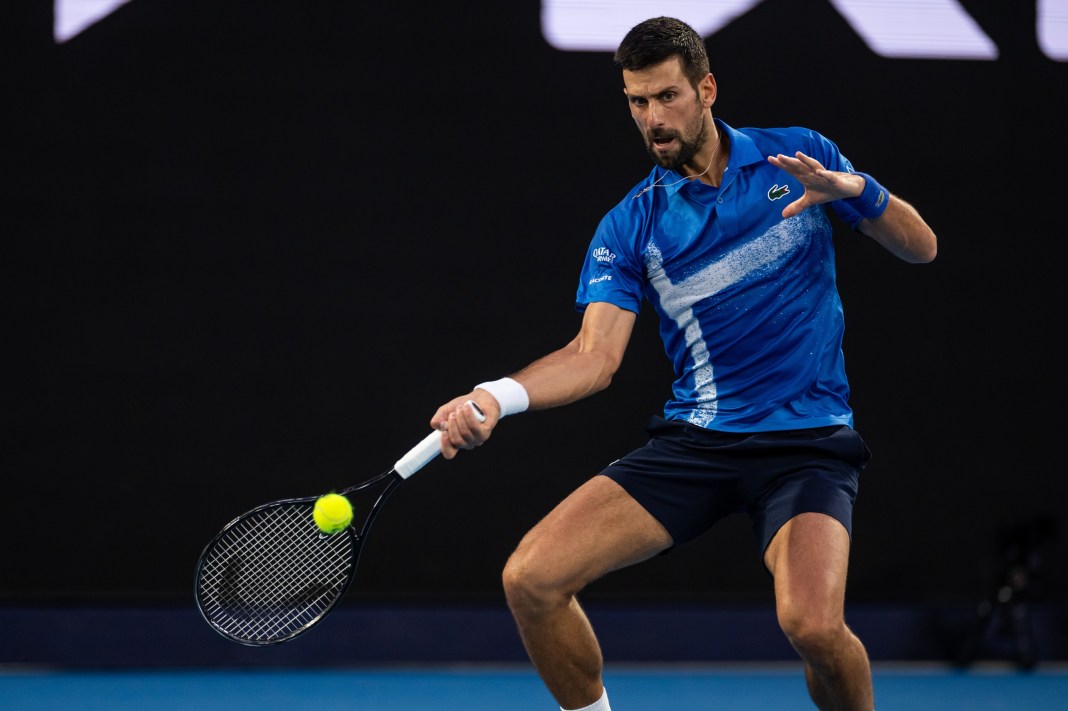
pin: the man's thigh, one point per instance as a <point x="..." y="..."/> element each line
<point x="598" y="528"/>
<point x="809" y="558"/>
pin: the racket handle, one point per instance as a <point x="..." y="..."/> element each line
<point x="421" y="454"/>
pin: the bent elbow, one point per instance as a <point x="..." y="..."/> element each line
<point x="927" y="251"/>
<point x="914" y="248"/>
<point x="604" y="381"/>
<point x="607" y="371"/>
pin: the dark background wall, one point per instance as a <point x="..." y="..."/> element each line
<point x="250" y="248"/>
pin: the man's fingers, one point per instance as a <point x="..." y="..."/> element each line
<point x="462" y="429"/>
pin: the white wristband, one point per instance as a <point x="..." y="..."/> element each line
<point x="510" y="395"/>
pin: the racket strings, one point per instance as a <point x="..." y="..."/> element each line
<point x="272" y="573"/>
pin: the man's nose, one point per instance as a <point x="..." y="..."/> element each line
<point x="653" y="116"/>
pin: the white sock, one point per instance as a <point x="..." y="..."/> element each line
<point x="600" y="704"/>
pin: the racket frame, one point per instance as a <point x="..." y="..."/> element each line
<point x="414" y="460"/>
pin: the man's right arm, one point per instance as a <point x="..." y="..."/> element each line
<point x="583" y="367"/>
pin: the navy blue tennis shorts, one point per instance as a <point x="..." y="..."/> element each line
<point x="689" y="477"/>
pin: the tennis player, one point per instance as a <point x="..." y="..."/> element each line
<point x="729" y="239"/>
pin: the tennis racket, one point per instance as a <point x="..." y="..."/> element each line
<point x="270" y="574"/>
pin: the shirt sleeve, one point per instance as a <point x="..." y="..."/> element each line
<point x="613" y="270"/>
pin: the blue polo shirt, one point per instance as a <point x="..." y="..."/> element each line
<point x="749" y="310"/>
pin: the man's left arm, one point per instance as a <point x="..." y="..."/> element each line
<point x="886" y="218"/>
<point x="902" y="231"/>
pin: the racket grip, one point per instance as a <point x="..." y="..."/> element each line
<point x="421" y="454"/>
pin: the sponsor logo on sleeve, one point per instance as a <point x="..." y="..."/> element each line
<point x="604" y="255"/>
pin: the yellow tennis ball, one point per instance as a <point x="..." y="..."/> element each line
<point x="332" y="513"/>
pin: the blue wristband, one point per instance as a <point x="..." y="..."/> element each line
<point x="873" y="201"/>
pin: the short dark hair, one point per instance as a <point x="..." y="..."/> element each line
<point x="660" y="38"/>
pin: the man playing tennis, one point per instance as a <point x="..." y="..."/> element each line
<point x="729" y="239"/>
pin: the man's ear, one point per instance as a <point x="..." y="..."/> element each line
<point x="707" y="90"/>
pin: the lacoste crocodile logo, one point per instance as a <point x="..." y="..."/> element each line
<point x="777" y="191"/>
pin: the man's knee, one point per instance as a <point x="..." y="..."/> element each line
<point x="812" y="631"/>
<point x="528" y="584"/>
<point x="514" y="578"/>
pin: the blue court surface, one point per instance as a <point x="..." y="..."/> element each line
<point x="639" y="688"/>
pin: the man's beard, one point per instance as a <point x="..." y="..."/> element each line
<point x="687" y="149"/>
